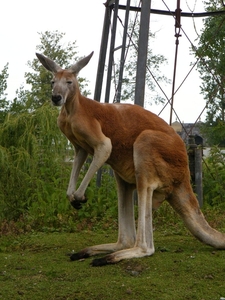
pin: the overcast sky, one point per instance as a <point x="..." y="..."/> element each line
<point x="82" y="20"/>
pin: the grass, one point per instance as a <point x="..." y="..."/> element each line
<point x="36" y="266"/>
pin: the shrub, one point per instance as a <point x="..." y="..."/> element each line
<point x="214" y="178"/>
<point x="33" y="174"/>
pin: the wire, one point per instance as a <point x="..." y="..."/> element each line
<point x="193" y="19"/>
<point x="191" y="10"/>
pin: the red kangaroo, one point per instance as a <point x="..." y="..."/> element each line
<point x="145" y="153"/>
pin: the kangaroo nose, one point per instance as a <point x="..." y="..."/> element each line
<point x="56" y="98"/>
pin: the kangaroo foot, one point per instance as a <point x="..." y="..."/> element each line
<point x="99" y="262"/>
<point x="78" y="256"/>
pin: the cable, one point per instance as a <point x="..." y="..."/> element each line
<point x="192" y="12"/>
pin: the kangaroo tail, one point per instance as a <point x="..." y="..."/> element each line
<point x="186" y="205"/>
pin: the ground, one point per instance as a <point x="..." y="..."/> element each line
<point x="36" y="266"/>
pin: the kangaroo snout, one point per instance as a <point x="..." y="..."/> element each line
<point x="56" y="99"/>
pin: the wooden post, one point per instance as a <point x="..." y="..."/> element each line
<point x="198" y="174"/>
<point x="195" y="166"/>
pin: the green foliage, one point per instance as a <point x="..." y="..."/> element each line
<point x="3" y="96"/>
<point x="211" y="66"/>
<point x="3" y="82"/>
<point x="34" y="174"/>
<point x="214" y="133"/>
<point x="102" y="201"/>
<point x="214" y="178"/>
<point x="32" y="170"/>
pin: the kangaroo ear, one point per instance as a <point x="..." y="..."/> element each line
<point x="80" y="64"/>
<point x="49" y="64"/>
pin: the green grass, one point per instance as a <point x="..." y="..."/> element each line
<point x="36" y="266"/>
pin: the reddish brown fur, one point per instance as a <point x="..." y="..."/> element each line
<point x="143" y="151"/>
<point x="124" y="123"/>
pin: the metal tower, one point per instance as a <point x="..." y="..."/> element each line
<point x="114" y="6"/>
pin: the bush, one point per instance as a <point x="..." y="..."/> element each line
<point x="102" y="201"/>
<point x="35" y="173"/>
<point x="214" y="178"/>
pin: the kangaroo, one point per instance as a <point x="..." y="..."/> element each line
<point x="145" y="153"/>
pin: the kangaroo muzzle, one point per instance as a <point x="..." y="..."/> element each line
<point x="57" y="99"/>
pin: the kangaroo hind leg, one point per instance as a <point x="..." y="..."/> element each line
<point x="126" y="223"/>
<point x="144" y="245"/>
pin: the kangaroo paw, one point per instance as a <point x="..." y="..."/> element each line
<point x="77" y="203"/>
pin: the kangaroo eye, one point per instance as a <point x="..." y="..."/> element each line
<point x="52" y="82"/>
<point x="69" y="82"/>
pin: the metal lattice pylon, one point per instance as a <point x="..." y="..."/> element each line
<point x="113" y="5"/>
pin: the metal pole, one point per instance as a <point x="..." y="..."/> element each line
<point x="122" y="57"/>
<point x="142" y="52"/>
<point x="102" y="52"/>
<point x="101" y="64"/>
<point x="177" y="35"/>
<point x="111" y="51"/>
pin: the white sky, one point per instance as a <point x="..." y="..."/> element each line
<point x="82" y="20"/>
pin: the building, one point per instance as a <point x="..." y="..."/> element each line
<point x="185" y="130"/>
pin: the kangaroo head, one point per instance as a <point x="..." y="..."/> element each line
<point x="64" y="82"/>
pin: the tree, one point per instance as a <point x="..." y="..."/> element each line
<point x="211" y="67"/>
<point x="39" y="79"/>
<point x="154" y="62"/>
<point x="4" y="104"/>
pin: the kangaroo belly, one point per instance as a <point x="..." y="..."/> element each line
<point x="125" y="169"/>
